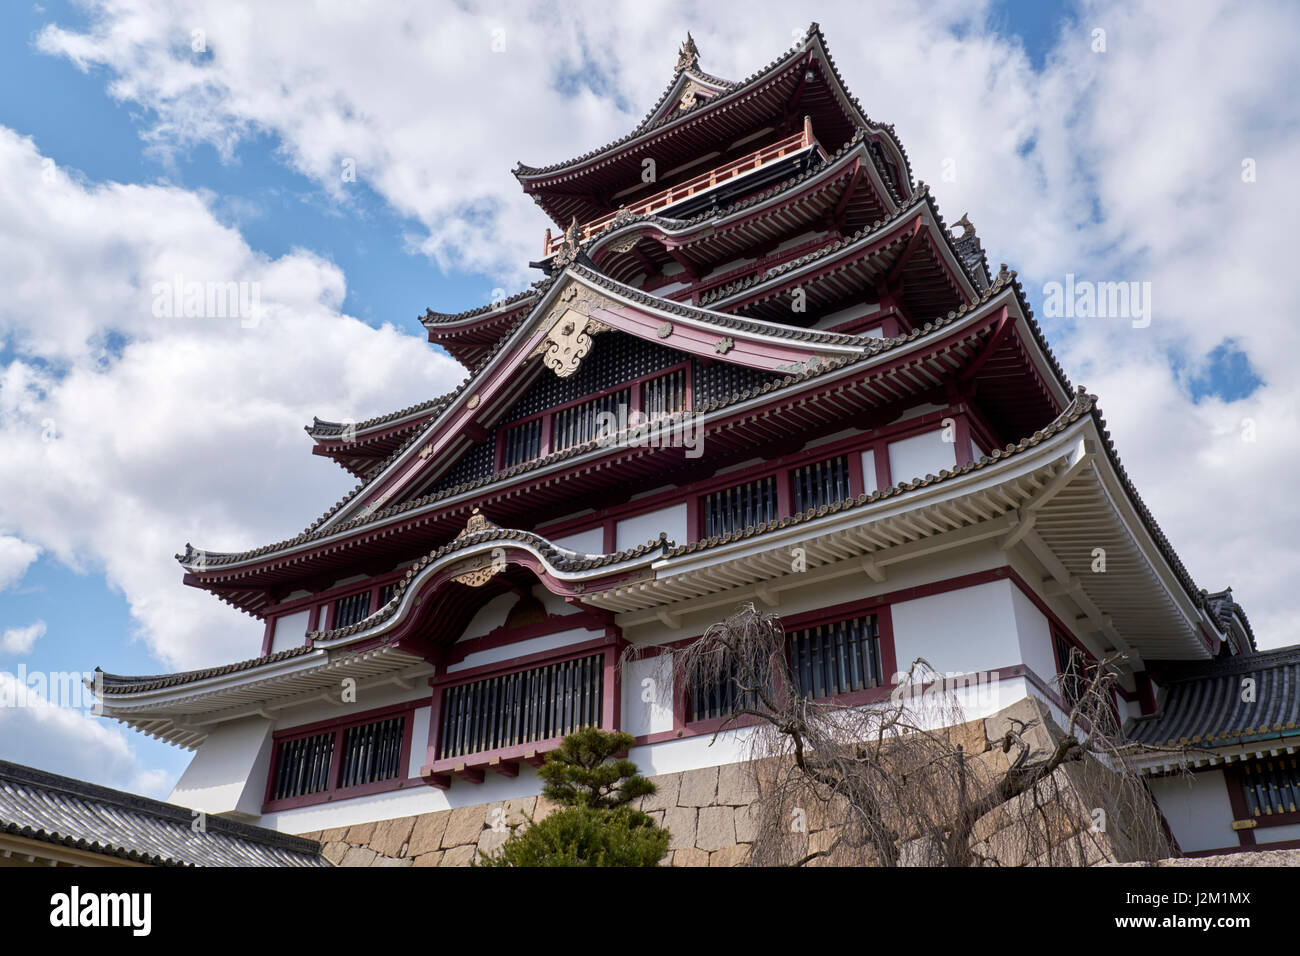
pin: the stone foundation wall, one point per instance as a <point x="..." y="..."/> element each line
<point x="706" y="811"/>
<point x="708" y="814"/>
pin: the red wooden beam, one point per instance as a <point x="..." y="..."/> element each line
<point x="835" y="217"/>
<point x="1000" y="332"/>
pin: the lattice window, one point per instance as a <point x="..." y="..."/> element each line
<point x="665" y="395"/>
<point x="719" y="698"/>
<point x="303" y="766"/>
<point x="372" y="752"/>
<point x="521" y="443"/>
<point x="839" y="658"/>
<point x="825" y="483"/>
<point x="592" y="420"/>
<point x="541" y="703"/>
<point x="349" y="610"/>
<point x="735" y="509"/>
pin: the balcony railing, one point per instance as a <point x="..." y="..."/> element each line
<point x="698" y="184"/>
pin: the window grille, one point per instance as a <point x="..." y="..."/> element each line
<point x="522" y="443"/>
<point x="838" y="658"/>
<point x="304" y="766"/>
<point x="589" y="421"/>
<point x="349" y="610"/>
<point x="372" y="752"/>
<point x="541" y="703"/>
<point x="665" y="395"/>
<point x="824" y="483"/>
<point x="735" y="509"/>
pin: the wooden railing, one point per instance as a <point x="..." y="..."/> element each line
<point x="705" y="181"/>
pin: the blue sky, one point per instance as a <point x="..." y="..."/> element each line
<point x="1065" y="161"/>
<point x="73" y="120"/>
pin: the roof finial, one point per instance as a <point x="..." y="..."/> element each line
<point x="967" y="229"/>
<point x="569" y="250"/>
<point x="688" y="55"/>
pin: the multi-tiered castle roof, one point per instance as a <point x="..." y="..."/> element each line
<point x="755" y="261"/>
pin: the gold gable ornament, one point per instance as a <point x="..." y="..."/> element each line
<point x="568" y="340"/>
<point x="478" y="571"/>
<point x="477" y="522"/>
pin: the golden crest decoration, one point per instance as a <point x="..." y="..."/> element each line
<point x="569" y="339"/>
<point x="479" y="570"/>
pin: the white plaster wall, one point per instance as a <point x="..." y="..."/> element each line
<point x="1197" y="809"/>
<point x="646" y="527"/>
<point x="959" y="632"/>
<point x="591" y="541"/>
<point x="519" y="648"/>
<point x="290" y="630"/>
<point x="647" y="696"/>
<point x="920" y="455"/>
<point x="1277" y="834"/>
<point x="827" y="439"/>
<point x="845" y="315"/>
<point x="555" y="605"/>
<point x="854" y="586"/>
<point x="409" y="801"/>
<point x="228" y="772"/>
<point x="1035" y="636"/>
<point x="797" y="240"/>
<point x="869" y="472"/>
<point x="369" y="697"/>
<point x="419" y="739"/>
<point x="489" y="617"/>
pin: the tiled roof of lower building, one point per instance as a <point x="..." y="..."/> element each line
<point x="63" y="811"/>
<point x="1226" y="701"/>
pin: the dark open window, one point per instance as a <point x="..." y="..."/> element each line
<point x="522" y="443"/>
<point x="541" y="703"/>
<point x="840" y="658"/>
<point x="735" y="509"/>
<point x="346" y="756"/>
<point x="303" y="766"/>
<point x="824" y="483"/>
<point x="351" y="609"/>
<point x="589" y="421"/>
<point x="825" y="661"/>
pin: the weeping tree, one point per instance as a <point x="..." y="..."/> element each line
<point x="904" y="781"/>
<point x="595" y="784"/>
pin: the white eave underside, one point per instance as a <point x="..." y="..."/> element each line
<point x="1137" y="604"/>
<point x="183" y="714"/>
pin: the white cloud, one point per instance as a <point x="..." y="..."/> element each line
<point x="38" y="729"/>
<point x="192" y="430"/>
<point x="16" y="555"/>
<point x="1122" y="165"/>
<point x="20" y="640"/>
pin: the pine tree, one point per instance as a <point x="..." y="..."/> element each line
<point x="597" y="824"/>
